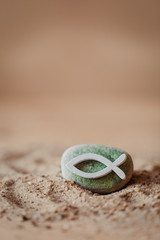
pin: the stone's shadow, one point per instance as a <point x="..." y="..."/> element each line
<point x="143" y="177"/>
<point x="146" y="177"/>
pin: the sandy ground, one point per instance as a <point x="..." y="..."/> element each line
<point x="36" y="203"/>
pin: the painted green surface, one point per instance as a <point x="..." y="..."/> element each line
<point x="106" y="184"/>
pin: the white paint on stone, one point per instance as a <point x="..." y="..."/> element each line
<point x="111" y="166"/>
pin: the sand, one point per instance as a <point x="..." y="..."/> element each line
<point x="37" y="203"/>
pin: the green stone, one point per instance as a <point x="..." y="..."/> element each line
<point x="106" y="184"/>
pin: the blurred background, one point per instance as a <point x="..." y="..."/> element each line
<point x="80" y="72"/>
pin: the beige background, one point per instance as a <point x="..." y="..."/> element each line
<point x="80" y="71"/>
<point x="80" y="47"/>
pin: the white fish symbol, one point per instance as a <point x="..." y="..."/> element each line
<point x="111" y="166"/>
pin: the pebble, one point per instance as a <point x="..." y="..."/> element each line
<point x="104" y="184"/>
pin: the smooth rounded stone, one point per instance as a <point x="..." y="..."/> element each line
<point x="87" y="164"/>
